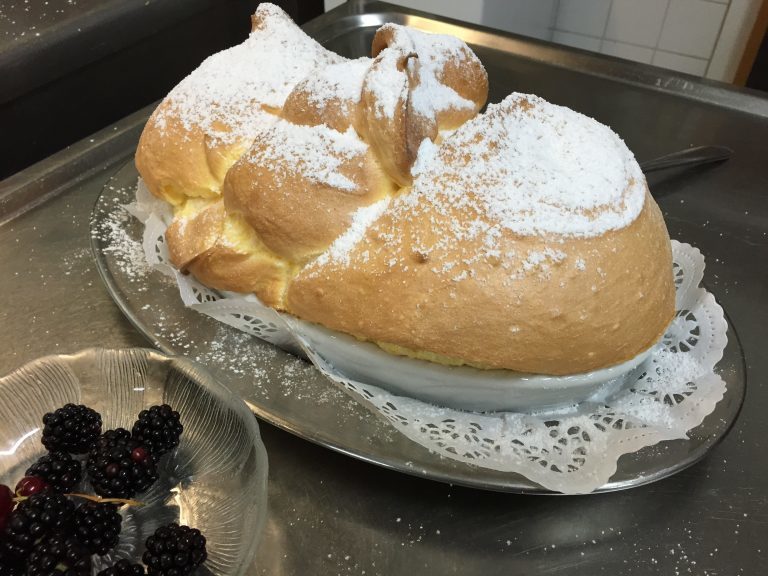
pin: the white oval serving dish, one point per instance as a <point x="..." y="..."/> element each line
<point x="460" y="387"/>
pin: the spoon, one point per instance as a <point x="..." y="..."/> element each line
<point x="689" y="157"/>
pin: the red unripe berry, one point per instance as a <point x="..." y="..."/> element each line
<point x="6" y="505"/>
<point x="30" y="485"/>
<point x="139" y="454"/>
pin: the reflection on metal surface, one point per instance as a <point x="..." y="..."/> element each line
<point x="690" y="157"/>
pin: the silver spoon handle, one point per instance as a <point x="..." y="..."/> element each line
<point x="688" y="157"/>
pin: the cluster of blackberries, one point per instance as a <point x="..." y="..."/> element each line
<point x="47" y="530"/>
<point x="119" y="463"/>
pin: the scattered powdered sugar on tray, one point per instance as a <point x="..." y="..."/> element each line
<point x="77" y="258"/>
<point x="118" y="242"/>
<point x="225" y="95"/>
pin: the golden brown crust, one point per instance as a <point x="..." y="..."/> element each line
<point x="207" y="122"/>
<point x="178" y="163"/>
<point x="237" y="270"/>
<point x="468" y="78"/>
<point x="222" y="252"/>
<point x="400" y="106"/>
<point x="562" y="320"/>
<point x="194" y="231"/>
<point x="200" y="130"/>
<point x="331" y="96"/>
<point x="388" y="134"/>
<point x="276" y="188"/>
<point x="338" y="114"/>
<point x="514" y="249"/>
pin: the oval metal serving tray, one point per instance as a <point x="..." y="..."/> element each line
<point x="289" y="393"/>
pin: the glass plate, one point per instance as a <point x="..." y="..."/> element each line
<point x="289" y="393"/>
<point x="215" y="480"/>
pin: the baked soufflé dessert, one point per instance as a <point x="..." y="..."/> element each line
<point x="372" y="197"/>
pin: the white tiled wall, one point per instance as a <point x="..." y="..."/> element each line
<point x="676" y="34"/>
<point x="700" y="37"/>
<point x="586" y="17"/>
<point x="627" y="51"/>
<point x="529" y="17"/>
<point x="634" y="22"/>
<point x="577" y="40"/>
<point x="738" y="23"/>
<point x="691" y="27"/>
<point x="687" y="64"/>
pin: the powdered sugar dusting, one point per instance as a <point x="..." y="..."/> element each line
<point x="225" y="95"/>
<point x="535" y="168"/>
<point x="342" y="82"/>
<point x="542" y="261"/>
<point x="431" y="95"/>
<point x="427" y="56"/>
<point x="120" y="245"/>
<point x="387" y="84"/>
<point x="362" y="219"/>
<point x="315" y="152"/>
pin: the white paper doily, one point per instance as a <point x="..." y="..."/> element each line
<point x="570" y="450"/>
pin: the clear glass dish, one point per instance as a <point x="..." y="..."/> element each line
<point x="291" y="394"/>
<point x="215" y="480"/>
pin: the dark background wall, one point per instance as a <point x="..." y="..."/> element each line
<point x="66" y="74"/>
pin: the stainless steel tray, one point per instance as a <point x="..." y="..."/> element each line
<point x="291" y="394"/>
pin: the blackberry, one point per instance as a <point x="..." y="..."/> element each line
<point x="34" y="518"/>
<point x="59" y="554"/>
<point x="9" y="566"/>
<point x="174" y="550"/>
<point x="72" y="428"/>
<point x="119" y="467"/>
<point x="59" y="470"/>
<point x="123" y="568"/>
<point x="11" y="570"/>
<point x="97" y="527"/>
<point x="158" y="428"/>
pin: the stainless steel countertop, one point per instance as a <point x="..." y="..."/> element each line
<point x="334" y="515"/>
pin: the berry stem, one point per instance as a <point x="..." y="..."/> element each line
<point x="101" y="500"/>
